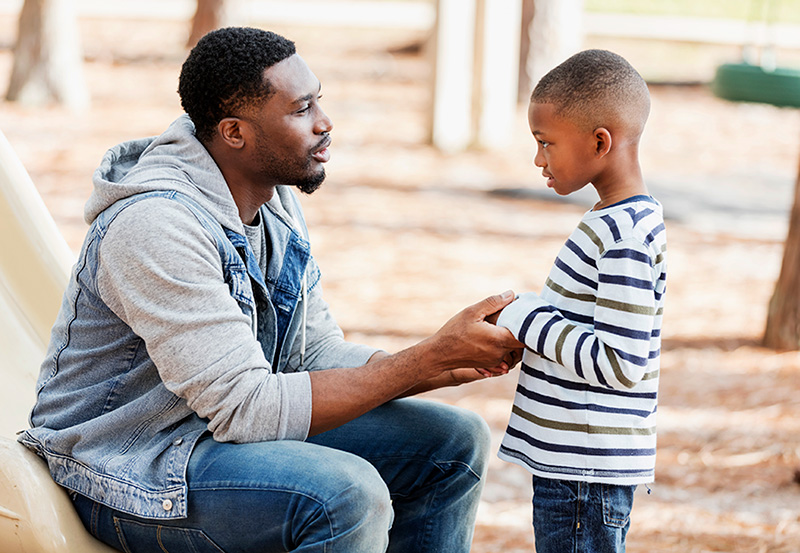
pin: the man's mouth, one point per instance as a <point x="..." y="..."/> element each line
<point x="321" y="152"/>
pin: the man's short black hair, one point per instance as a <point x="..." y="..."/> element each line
<point x="224" y="74"/>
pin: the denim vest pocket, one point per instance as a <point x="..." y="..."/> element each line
<point x="142" y="537"/>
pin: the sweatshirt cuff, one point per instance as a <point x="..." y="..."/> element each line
<point x="295" y="418"/>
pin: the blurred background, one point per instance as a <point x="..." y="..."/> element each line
<point x="432" y="201"/>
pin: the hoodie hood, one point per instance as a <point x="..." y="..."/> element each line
<point x="176" y="160"/>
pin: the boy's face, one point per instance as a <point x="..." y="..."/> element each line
<point x="564" y="151"/>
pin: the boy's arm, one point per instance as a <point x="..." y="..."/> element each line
<point x="612" y="349"/>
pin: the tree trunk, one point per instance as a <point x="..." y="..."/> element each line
<point x="554" y="34"/>
<point x="210" y="15"/>
<point x="783" y="317"/>
<point x="48" y="61"/>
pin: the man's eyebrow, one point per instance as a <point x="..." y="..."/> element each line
<point x="308" y="97"/>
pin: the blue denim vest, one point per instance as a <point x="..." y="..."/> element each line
<point x="133" y="456"/>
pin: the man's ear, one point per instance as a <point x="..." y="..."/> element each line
<point x="602" y="139"/>
<point x="230" y="132"/>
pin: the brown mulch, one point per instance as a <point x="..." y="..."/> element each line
<point x="406" y="236"/>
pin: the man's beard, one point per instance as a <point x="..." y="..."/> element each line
<point x="311" y="184"/>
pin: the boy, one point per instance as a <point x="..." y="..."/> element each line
<point x="584" y="414"/>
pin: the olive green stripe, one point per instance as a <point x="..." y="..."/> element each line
<point x="558" y="289"/>
<point x="627" y="307"/>
<point x="592" y="236"/>
<point x="612" y="358"/>
<point x="584" y="428"/>
<point x="651" y="375"/>
<point x="560" y="342"/>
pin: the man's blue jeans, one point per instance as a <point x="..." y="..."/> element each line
<point x="579" y="517"/>
<point x="412" y="465"/>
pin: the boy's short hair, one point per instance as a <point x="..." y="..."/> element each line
<point x="224" y="74"/>
<point x="596" y="88"/>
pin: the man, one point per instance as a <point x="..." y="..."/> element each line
<point x="197" y="394"/>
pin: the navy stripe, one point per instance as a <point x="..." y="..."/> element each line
<point x="543" y="333"/>
<point x="572" y="246"/>
<point x="578" y="346"/>
<point x="574" y="406"/>
<point x="633" y="359"/>
<point x="526" y="324"/>
<point x="638" y="216"/>
<point x="626" y="281"/>
<point x="586" y="320"/>
<point x="597" y="372"/>
<point x="627" y="253"/>
<point x="570" y="272"/>
<point x="584" y="387"/>
<point x="625" y="332"/>
<point x="653" y="233"/>
<point x="554" y="469"/>
<point x="612" y="226"/>
<point x="577" y="450"/>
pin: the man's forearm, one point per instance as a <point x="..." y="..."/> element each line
<point x="466" y="340"/>
<point x="340" y="395"/>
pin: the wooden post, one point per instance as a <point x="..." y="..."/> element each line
<point x="498" y="63"/>
<point x="454" y="46"/>
<point x="783" y="316"/>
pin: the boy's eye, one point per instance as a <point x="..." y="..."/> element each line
<point x="544" y="144"/>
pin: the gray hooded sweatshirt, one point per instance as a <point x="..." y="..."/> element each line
<point x="155" y="344"/>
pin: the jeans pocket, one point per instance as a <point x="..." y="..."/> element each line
<point x="141" y="537"/>
<point x="617" y="505"/>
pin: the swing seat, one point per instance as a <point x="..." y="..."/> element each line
<point x="743" y="82"/>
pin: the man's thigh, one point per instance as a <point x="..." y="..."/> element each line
<point x="407" y="438"/>
<point x="267" y="496"/>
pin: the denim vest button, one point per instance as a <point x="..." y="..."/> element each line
<point x="177" y="441"/>
<point x="167" y="504"/>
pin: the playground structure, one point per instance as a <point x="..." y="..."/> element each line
<point x="36" y="515"/>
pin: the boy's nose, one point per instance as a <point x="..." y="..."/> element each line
<point x="538" y="159"/>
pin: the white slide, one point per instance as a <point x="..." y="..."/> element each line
<point x="36" y="515"/>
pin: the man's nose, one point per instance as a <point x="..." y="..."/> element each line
<point x="324" y="124"/>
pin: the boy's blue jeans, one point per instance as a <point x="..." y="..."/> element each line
<point x="329" y="494"/>
<point x="579" y="517"/>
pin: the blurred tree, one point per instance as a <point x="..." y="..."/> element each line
<point x="210" y="15"/>
<point x="783" y="315"/>
<point x="48" y="60"/>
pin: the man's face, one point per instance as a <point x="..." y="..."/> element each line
<point x="291" y="130"/>
<point x="564" y="151"/>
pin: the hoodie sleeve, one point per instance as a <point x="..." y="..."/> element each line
<point x="160" y="272"/>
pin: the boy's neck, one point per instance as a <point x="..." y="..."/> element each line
<point x="617" y="185"/>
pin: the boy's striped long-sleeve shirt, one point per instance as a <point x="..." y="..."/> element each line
<point x="585" y="407"/>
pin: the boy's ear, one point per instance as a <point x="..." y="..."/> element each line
<point x="602" y="139"/>
<point x="230" y="132"/>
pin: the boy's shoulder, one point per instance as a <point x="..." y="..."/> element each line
<point x="639" y="218"/>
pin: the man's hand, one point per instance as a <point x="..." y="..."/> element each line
<point x="468" y="340"/>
